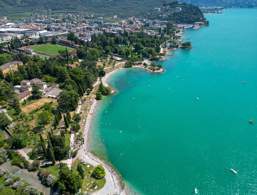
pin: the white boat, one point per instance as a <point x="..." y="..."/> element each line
<point x="196" y="191"/>
<point x="234" y="171"/>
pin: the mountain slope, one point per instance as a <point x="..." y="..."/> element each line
<point x="97" y="6"/>
<point x="225" y="3"/>
<point x="119" y="7"/>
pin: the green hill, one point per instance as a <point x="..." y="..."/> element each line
<point x="225" y="3"/>
<point x="120" y="7"/>
<point x="103" y="7"/>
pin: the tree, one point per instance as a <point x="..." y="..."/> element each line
<point x="44" y="118"/>
<point x="5" y="57"/>
<point x="57" y="118"/>
<point x="69" y="180"/>
<point x="98" y="172"/>
<point x="70" y="84"/>
<point x="76" y="118"/>
<point x="75" y="126"/>
<point x="15" y="43"/>
<point x="58" y="146"/>
<point x="42" y="143"/>
<point x="68" y="101"/>
<point x="36" y="93"/>
<point x="81" y="170"/>
<point x="98" y="95"/>
<point x="4" y="121"/>
<point x="50" y="149"/>
<point x="104" y="90"/>
<point x="65" y="55"/>
<point x="8" y="96"/>
<point x="53" y="40"/>
<point x="72" y="37"/>
<point x="101" y="72"/>
<point x="18" y="142"/>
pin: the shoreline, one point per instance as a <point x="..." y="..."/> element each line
<point x="114" y="182"/>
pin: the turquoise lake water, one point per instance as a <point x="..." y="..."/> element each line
<point x="169" y="133"/>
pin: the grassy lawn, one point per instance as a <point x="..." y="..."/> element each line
<point x="49" y="49"/>
<point x="53" y="170"/>
<point x="89" y="184"/>
<point x="7" y="190"/>
<point x="5" y="57"/>
<point x="36" y="104"/>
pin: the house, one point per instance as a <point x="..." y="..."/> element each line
<point x="24" y="90"/>
<point x="24" y="95"/>
<point x="53" y="92"/>
<point x="25" y="86"/>
<point x="11" y="66"/>
<point x="39" y="83"/>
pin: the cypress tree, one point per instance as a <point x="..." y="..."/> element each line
<point x="42" y="142"/>
<point x="66" y="121"/>
<point x="50" y="149"/>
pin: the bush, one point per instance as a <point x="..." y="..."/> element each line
<point x="98" y="96"/>
<point x="98" y="172"/>
<point x="104" y="90"/>
<point x="75" y="127"/>
<point x="18" y="142"/>
<point x="69" y="180"/>
<point x="76" y="118"/>
<point x="18" y="160"/>
<point x="81" y="170"/>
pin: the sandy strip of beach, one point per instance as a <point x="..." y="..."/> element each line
<point x="114" y="183"/>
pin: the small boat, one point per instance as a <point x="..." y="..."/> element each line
<point x="233" y="171"/>
<point x="196" y="191"/>
<point x="197" y="98"/>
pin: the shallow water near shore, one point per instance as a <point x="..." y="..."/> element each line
<point x="169" y="133"/>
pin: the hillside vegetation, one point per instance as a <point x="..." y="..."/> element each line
<point x="128" y="7"/>
<point x="107" y="7"/>
<point x="225" y="3"/>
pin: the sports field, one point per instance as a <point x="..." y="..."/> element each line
<point x="49" y="49"/>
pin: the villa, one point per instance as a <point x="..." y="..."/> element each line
<point x="11" y="66"/>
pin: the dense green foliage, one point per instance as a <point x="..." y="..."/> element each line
<point x="178" y="13"/>
<point x="8" y="98"/>
<point x="101" y="7"/>
<point x="18" y="142"/>
<point x="4" y="58"/>
<point x="226" y="3"/>
<point x="97" y="6"/>
<point x="17" y="160"/>
<point x="69" y="180"/>
<point x="44" y="118"/>
<point x="98" y="172"/>
<point x="4" y="121"/>
<point x="58" y="146"/>
<point x="130" y="46"/>
<point x="68" y="101"/>
<point x="36" y="93"/>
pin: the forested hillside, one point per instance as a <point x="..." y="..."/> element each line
<point x="120" y="7"/>
<point x="225" y="3"/>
